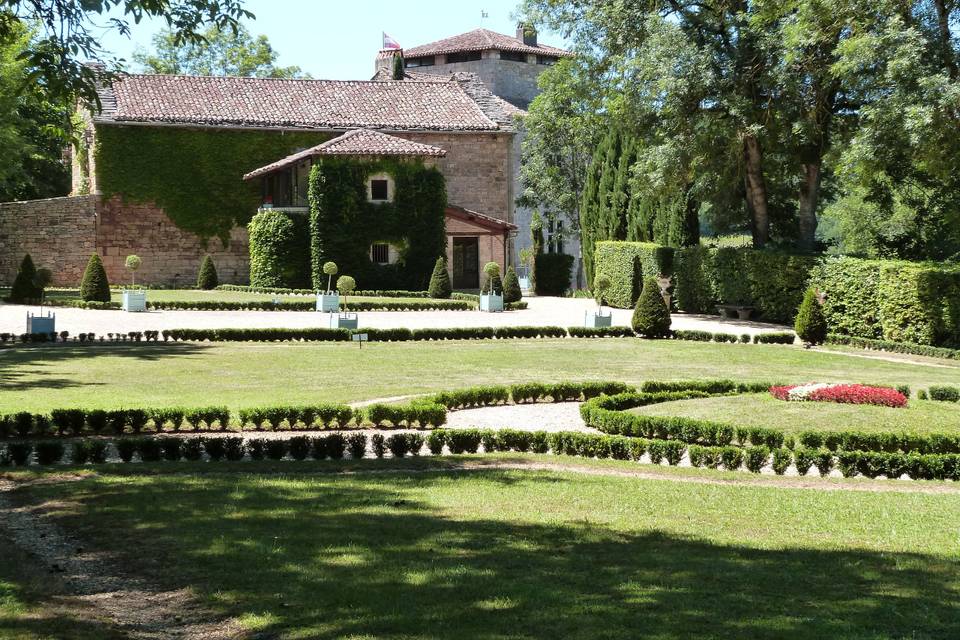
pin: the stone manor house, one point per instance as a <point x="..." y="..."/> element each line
<point x="172" y="167"/>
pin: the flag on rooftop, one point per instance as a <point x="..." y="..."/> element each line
<point x="390" y="43"/>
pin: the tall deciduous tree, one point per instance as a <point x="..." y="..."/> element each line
<point x="220" y="52"/>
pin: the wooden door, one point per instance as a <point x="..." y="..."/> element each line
<point x="466" y="263"/>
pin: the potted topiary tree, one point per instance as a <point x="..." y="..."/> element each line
<point x="526" y="260"/>
<point x="329" y="301"/>
<point x="491" y="295"/>
<point x="134" y="299"/>
<point x="601" y="284"/>
<point x="43" y="323"/>
<point x="345" y="320"/>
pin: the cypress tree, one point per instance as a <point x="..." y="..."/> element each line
<point x="589" y="208"/>
<point x="94" y="287"/>
<point x="207" y="277"/>
<point x="398" y="72"/>
<point x="811" y="324"/>
<point x="511" y="286"/>
<point x="24" y="289"/>
<point x="440" y="280"/>
<point x="536" y="239"/>
<point x="651" y="318"/>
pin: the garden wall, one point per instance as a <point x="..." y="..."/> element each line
<point x="58" y="233"/>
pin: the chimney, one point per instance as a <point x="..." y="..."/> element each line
<point x="527" y="34"/>
<point x="385" y="60"/>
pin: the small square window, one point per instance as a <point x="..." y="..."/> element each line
<point x="379" y="190"/>
<point x="380" y="253"/>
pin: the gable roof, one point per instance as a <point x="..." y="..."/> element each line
<point x="479" y="219"/>
<point x="495" y="107"/>
<point x="358" y="142"/>
<point x="481" y="40"/>
<point x="297" y="103"/>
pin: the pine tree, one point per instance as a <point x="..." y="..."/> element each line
<point x="811" y="324"/>
<point x="207" y="277"/>
<point x="24" y="290"/>
<point x="94" y="287"/>
<point x="511" y="286"/>
<point x="440" y="280"/>
<point x="651" y="318"/>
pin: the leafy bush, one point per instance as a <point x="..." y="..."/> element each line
<point x="20" y="453"/>
<point x="824" y="462"/>
<point x="440" y="287"/>
<point x="126" y="448"/>
<point x="49" y="452"/>
<point x="553" y="273"/>
<point x="491" y="280"/>
<point x="357" y="445"/>
<point x="24" y="288"/>
<point x="415" y="443"/>
<point x="435" y="442"/>
<point x="279" y="249"/>
<point x="781" y="337"/>
<point x="276" y="449"/>
<point x="731" y="458"/>
<point x="463" y="440"/>
<point x="627" y="265"/>
<point x="257" y="448"/>
<point x="803" y="459"/>
<point x="781" y="460"/>
<point x="377" y="442"/>
<point x="207" y="275"/>
<point x="511" y="286"/>
<point x="216" y="448"/>
<point x="172" y="448"/>
<point x="192" y="448"/>
<point x="811" y="325"/>
<point x="398" y="445"/>
<point x="94" y="286"/>
<point x="149" y="449"/>
<point x="336" y="446"/>
<point x="756" y="458"/>
<point x="943" y="393"/>
<point x="318" y="447"/>
<point x="651" y="318"/>
<point x="300" y="447"/>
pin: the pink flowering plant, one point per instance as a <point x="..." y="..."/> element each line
<point x="842" y="393"/>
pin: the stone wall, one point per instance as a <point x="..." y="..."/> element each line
<point x="170" y="256"/>
<point x="477" y="169"/>
<point x="515" y="82"/>
<point x="58" y="233"/>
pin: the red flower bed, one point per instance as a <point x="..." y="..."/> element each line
<point x="781" y="393"/>
<point x="860" y="394"/>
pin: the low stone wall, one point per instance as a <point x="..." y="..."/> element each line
<point x="58" y="233"/>
<point x="170" y="255"/>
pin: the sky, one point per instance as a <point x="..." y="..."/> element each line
<point x="339" y="39"/>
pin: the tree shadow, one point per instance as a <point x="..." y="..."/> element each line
<point x="340" y="556"/>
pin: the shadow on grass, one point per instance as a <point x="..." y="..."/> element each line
<point x="367" y="555"/>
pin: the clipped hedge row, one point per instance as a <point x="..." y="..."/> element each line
<point x="422" y="413"/>
<point x="627" y="264"/>
<point x="322" y="415"/>
<point x="527" y="392"/>
<point x="310" y="305"/>
<point x="894" y="347"/>
<point x="75" y="422"/>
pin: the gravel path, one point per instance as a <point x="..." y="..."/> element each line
<point x="564" y="312"/>
<point x="544" y="416"/>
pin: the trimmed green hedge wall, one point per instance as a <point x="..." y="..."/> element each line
<point x="553" y="273"/>
<point x="279" y="249"/>
<point x="626" y="264"/>
<point x="343" y="224"/>
<point x="195" y="175"/>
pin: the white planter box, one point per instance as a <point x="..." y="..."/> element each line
<point x="328" y="302"/>
<point x="343" y="321"/>
<point x="524" y="282"/>
<point x="491" y="302"/>
<point x="41" y="324"/>
<point x="597" y="320"/>
<point x="134" y="300"/>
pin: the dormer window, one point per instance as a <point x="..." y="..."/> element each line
<point x="380" y="188"/>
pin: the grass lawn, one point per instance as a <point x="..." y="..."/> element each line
<point x="763" y="410"/>
<point x="247" y="374"/>
<point x="293" y="553"/>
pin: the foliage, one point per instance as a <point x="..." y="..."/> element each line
<point x="207" y="275"/>
<point x="651" y="317"/>
<point x="511" y="286"/>
<point x="811" y="325"/>
<point x="280" y="249"/>
<point x="343" y="224"/>
<point x="194" y="175"/>
<point x="491" y="280"/>
<point x="440" y="286"/>
<point x="94" y="286"/>
<point x="944" y="393"/>
<point x="24" y="289"/>
<point x="627" y="265"/>
<point x="553" y="273"/>
<point x="221" y="52"/>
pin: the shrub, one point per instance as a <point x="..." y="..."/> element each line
<point x="781" y="460"/>
<point x="779" y="337"/>
<point x="279" y="249"/>
<point x="440" y="287"/>
<point x="216" y="448"/>
<point x="276" y="449"/>
<point x="192" y="448"/>
<point x="24" y="288"/>
<point x="149" y="449"/>
<point x="436" y="440"/>
<point x="628" y="265"/>
<point x="94" y="286"/>
<point x="336" y="446"/>
<point x="803" y="459"/>
<point x="318" y="448"/>
<point x="207" y="276"/>
<point x="377" y="441"/>
<point x="299" y="448"/>
<point x="756" y="458"/>
<point x="651" y="318"/>
<point x="415" y="443"/>
<point x="810" y="324"/>
<point x="23" y="422"/>
<point x="20" y="452"/>
<point x="398" y="445"/>
<point x="172" y="448"/>
<point x="357" y="445"/>
<point x="257" y="447"/>
<point x="944" y="393"/>
<point x="491" y="280"/>
<point x="824" y="461"/>
<point x="553" y="273"/>
<point x="731" y="458"/>
<point x="97" y="420"/>
<point x="126" y="448"/>
<point x="922" y="395"/>
<point x="49" y="452"/>
<point x="234" y="448"/>
<point x="511" y="286"/>
<point x="463" y="440"/>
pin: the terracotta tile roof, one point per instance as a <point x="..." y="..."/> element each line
<point x="358" y="142"/>
<point x="481" y="40"/>
<point x="311" y="104"/>
<point x="479" y="219"/>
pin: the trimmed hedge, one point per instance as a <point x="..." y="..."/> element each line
<point x="894" y="347"/>
<point x="279" y="249"/>
<point x="423" y="413"/>
<point x="553" y="273"/>
<point x="322" y="415"/>
<point x="627" y="265"/>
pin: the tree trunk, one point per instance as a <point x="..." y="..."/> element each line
<point x="943" y="23"/>
<point x="756" y="190"/>
<point x="809" y="196"/>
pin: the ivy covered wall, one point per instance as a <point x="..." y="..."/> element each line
<point x="195" y="175"/>
<point x="343" y="224"/>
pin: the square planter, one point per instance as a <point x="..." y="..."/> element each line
<point x="343" y="321"/>
<point x="596" y="320"/>
<point x="491" y="302"/>
<point x="134" y="300"/>
<point x="524" y="282"/>
<point x="41" y="324"/>
<point x="328" y="302"/>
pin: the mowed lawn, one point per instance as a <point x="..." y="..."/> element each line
<point x="292" y="552"/>
<point x="763" y="410"/>
<point x="37" y="378"/>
